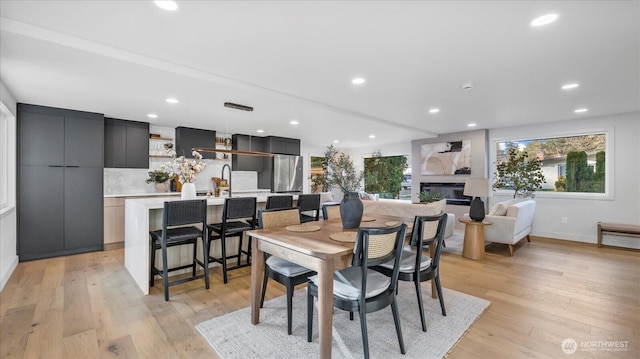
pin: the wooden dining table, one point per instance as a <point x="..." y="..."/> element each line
<point x="314" y="250"/>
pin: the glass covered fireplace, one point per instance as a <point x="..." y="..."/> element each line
<point x="451" y="191"/>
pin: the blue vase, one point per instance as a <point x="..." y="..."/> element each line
<point x="351" y="210"/>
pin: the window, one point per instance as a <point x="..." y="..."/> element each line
<point x="576" y="165"/>
<point x="7" y="160"/>
<point x="387" y="176"/>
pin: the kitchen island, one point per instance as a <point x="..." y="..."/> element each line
<point x="145" y="214"/>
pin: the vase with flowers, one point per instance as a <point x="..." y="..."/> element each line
<point x="186" y="170"/>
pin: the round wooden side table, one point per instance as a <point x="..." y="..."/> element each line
<point x="473" y="247"/>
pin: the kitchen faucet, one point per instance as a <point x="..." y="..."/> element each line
<point x="226" y="165"/>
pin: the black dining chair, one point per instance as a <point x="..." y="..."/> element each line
<point x="331" y="211"/>
<point x="281" y="270"/>
<point x="238" y="216"/>
<point x="361" y="289"/>
<point x="175" y="232"/>
<point x="278" y="202"/>
<point x="416" y="267"/>
<point x="309" y="203"/>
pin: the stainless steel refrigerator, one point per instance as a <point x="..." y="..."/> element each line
<point x="287" y="174"/>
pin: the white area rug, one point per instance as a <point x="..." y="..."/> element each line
<point x="233" y="336"/>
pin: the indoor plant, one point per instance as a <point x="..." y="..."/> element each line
<point x="519" y="173"/>
<point x="339" y="172"/>
<point x="160" y="178"/>
<point x="428" y="197"/>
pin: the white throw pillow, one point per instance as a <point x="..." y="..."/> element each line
<point x="500" y="208"/>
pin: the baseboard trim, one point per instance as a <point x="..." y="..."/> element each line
<point x="115" y="245"/>
<point x="9" y="272"/>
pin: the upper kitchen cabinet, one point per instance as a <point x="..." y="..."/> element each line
<point x="283" y="145"/>
<point x="126" y="144"/>
<point x="247" y="143"/>
<point x="189" y="138"/>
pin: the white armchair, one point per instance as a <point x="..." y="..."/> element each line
<point x="511" y="227"/>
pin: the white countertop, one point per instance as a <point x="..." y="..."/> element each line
<point x="151" y="194"/>
<point x="158" y="202"/>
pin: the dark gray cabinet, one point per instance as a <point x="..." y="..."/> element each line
<point x="126" y="144"/>
<point x="60" y="181"/>
<point x="284" y="145"/>
<point x="248" y="143"/>
<point x="188" y="138"/>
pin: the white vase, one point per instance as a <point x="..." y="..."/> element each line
<point x="188" y="191"/>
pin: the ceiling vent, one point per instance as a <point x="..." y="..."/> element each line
<point x="237" y="107"/>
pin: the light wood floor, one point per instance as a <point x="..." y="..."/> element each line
<point x="87" y="306"/>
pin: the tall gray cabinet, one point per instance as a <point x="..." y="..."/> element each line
<point x="60" y="181"/>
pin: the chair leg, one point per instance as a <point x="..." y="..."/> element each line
<point x="440" y="298"/>
<point x="289" y="306"/>
<point x="265" y="279"/>
<point x="249" y="251"/>
<point x="152" y="272"/>
<point x="195" y="251"/>
<point x="240" y="248"/>
<point x="165" y="272"/>
<point x="416" y="281"/>
<point x="363" y="326"/>
<point x="223" y="241"/>
<point x="309" y="314"/>
<point x="205" y="259"/>
<point x="396" y="320"/>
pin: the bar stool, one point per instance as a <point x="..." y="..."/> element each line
<point x="180" y="213"/>
<point x="234" y="209"/>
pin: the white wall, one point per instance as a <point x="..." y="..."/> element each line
<point x="8" y="256"/>
<point x="584" y="214"/>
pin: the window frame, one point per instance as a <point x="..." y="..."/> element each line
<point x="609" y="174"/>
<point x="7" y="160"/>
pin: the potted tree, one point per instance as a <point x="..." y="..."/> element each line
<point x="519" y="173"/>
<point x="339" y="172"/>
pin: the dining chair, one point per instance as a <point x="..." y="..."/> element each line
<point x="176" y="217"/>
<point x="414" y="265"/>
<point x="281" y="270"/>
<point x="361" y="289"/>
<point x="234" y="210"/>
<point x="280" y="201"/>
<point x="331" y="211"/>
<point x="309" y="203"/>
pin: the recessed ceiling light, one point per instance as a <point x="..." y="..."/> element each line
<point x="581" y="110"/>
<point x="372" y="136"/>
<point x="335" y="141"/>
<point x="434" y="110"/>
<point x="467" y="86"/>
<point x="293" y="122"/>
<point x="166" y="5"/>
<point x="260" y="131"/>
<point x="472" y="125"/>
<point x="172" y="100"/>
<point x="358" y="81"/>
<point x="544" y="20"/>
<point x="569" y="86"/>
<point x="152" y="115"/>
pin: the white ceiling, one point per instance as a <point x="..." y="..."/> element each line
<point x="295" y="60"/>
